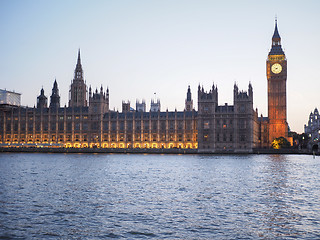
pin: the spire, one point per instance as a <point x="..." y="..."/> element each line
<point x="276" y="48"/>
<point x="41" y="100"/>
<point x="78" y="72"/>
<point x="55" y="98"/>
<point x="55" y="84"/>
<point x="276" y="35"/>
<point x="79" y="59"/>
<point x="189" y="102"/>
<point x="250" y="91"/>
<point x="189" y="94"/>
<point x="55" y="90"/>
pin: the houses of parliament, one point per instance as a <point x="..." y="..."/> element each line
<point x="88" y="122"/>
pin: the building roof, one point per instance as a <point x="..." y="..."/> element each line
<point x="276" y="48"/>
<point x="152" y="115"/>
<point x="276" y="34"/>
<point x="6" y="91"/>
<point x="263" y="119"/>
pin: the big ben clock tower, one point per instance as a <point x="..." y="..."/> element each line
<point x="277" y="94"/>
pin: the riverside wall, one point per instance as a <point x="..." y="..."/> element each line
<point x="149" y="151"/>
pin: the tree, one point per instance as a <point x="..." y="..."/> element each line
<point x="280" y="143"/>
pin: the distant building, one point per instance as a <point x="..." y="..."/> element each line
<point x="10" y="98"/>
<point x="312" y="129"/>
<point x="313" y="123"/>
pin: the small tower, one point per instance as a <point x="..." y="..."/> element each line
<point x="243" y="118"/>
<point x="207" y="104"/>
<point x="42" y="100"/>
<point x="125" y="106"/>
<point x="207" y="101"/>
<point x="78" y="88"/>
<point x="155" y="105"/>
<point x="243" y="101"/>
<point x="55" y="98"/>
<point x="141" y="107"/>
<point x="189" y="101"/>
<point x="277" y="93"/>
<point x="98" y="101"/>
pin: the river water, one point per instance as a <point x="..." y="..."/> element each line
<point x="131" y="196"/>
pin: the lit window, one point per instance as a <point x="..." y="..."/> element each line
<point x="206" y="124"/>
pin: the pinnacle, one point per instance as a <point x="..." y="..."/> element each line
<point x="79" y="59"/>
<point x="276" y="34"/>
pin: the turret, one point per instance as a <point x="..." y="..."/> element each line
<point x="140" y="107"/>
<point x="189" y="101"/>
<point x="250" y="91"/>
<point x="207" y="101"/>
<point x="90" y="92"/>
<point x="242" y="95"/>
<point x="235" y="90"/>
<point x="242" y="100"/>
<point x="98" y="101"/>
<point x="155" y="105"/>
<point x="125" y="106"/>
<point x="42" y="100"/>
<point x="55" y="98"/>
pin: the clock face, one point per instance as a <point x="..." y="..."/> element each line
<point x="276" y="68"/>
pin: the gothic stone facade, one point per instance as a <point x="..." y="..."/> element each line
<point x="226" y="128"/>
<point x="88" y="121"/>
<point x="312" y="129"/>
<point x="83" y="127"/>
<point x="214" y="128"/>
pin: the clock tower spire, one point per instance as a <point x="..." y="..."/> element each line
<point x="277" y="93"/>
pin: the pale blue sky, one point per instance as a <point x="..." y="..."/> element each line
<point x="137" y="48"/>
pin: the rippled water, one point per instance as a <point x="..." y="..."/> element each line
<point x="97" y="196"/>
